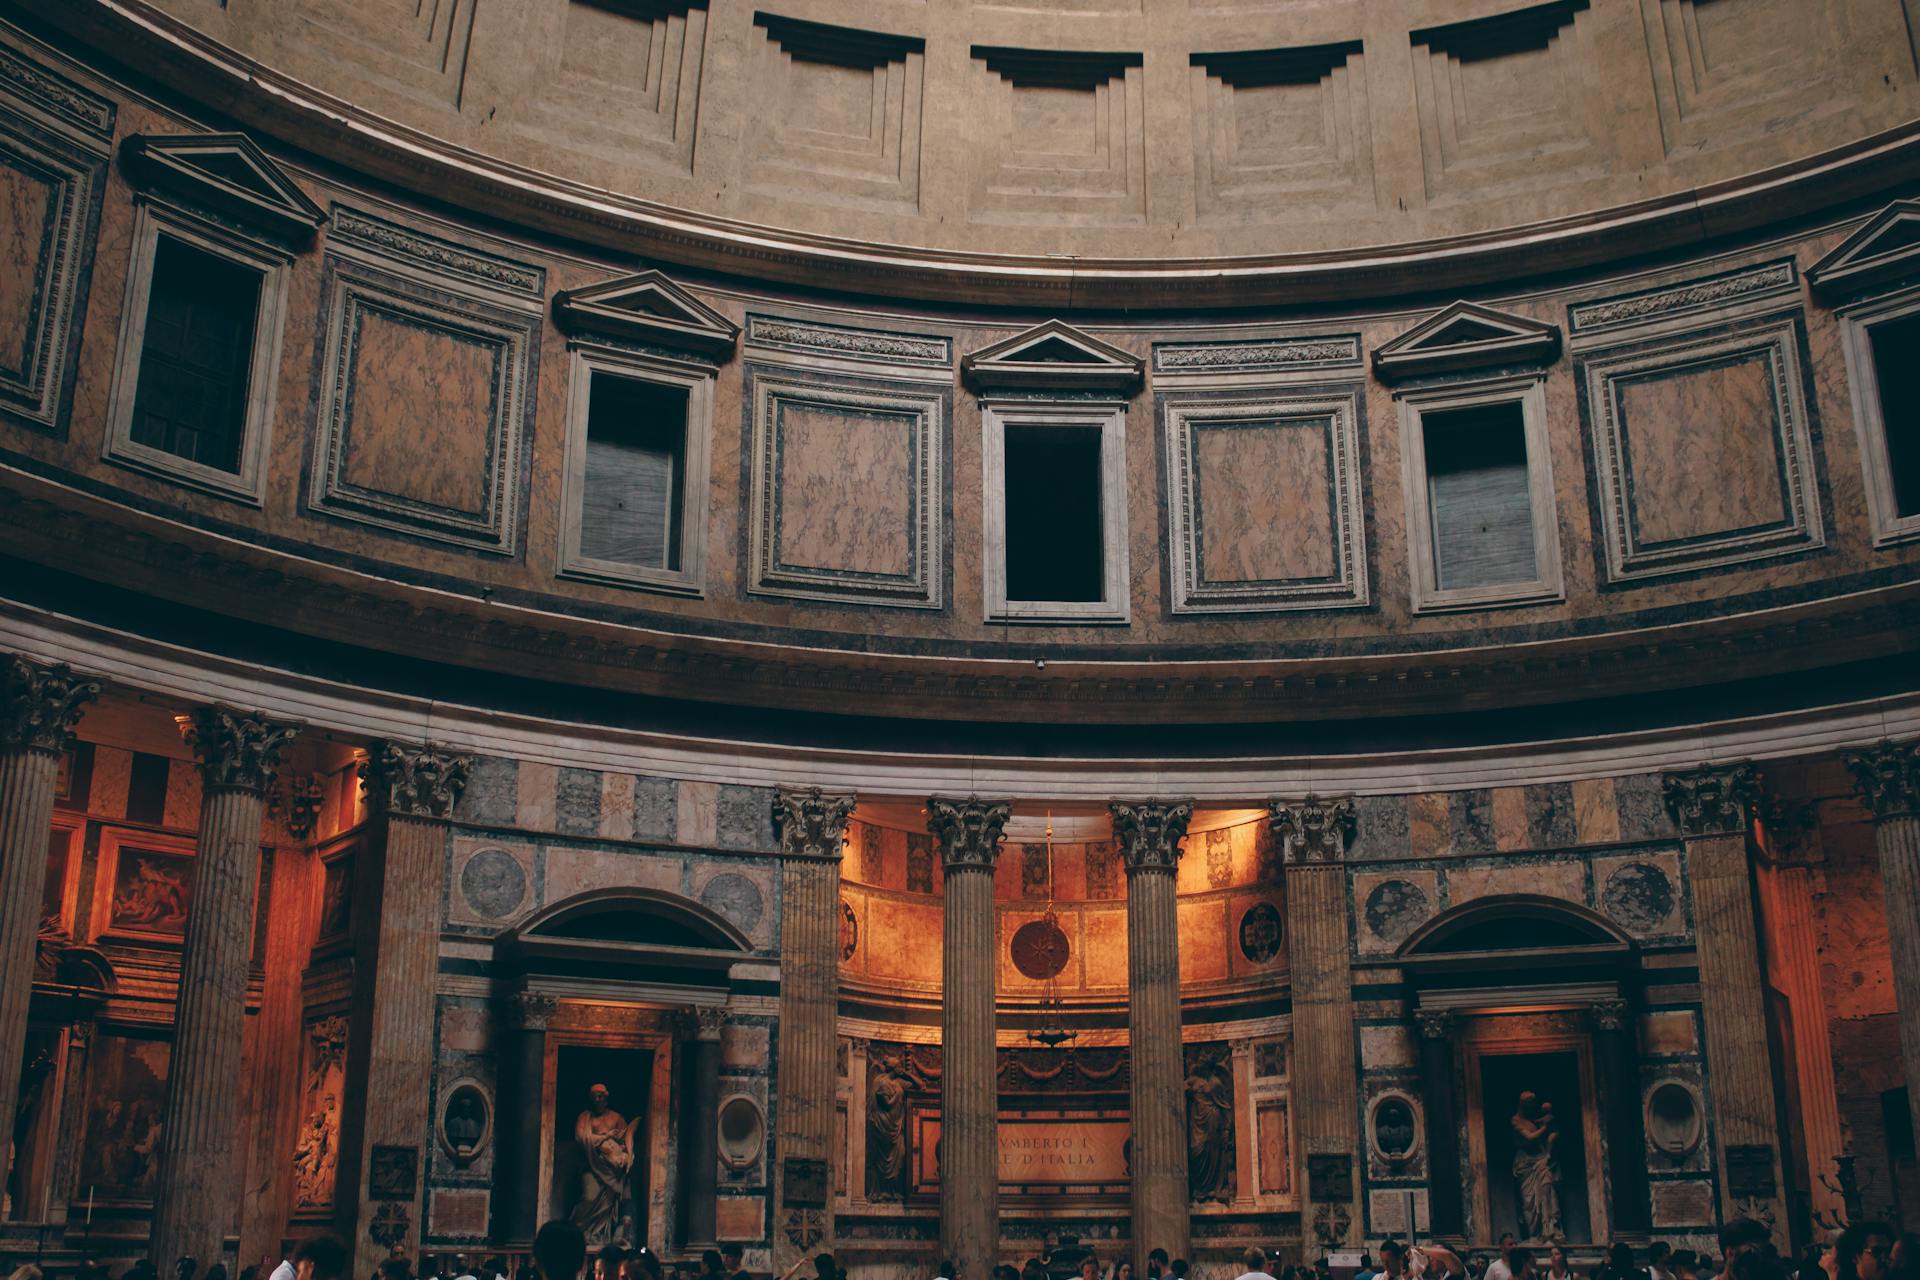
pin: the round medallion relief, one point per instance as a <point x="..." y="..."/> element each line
<point x="1639" y="895"/>
<point x="494" y="883"/>
<point x="1040" y="949"/>
<point x="1395" y="909"/>
<point x="1260" y="933"/>
<point x="735" y="897"/>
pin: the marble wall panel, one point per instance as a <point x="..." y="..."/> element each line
<point x="743" y="818"/>
<point x="743" y="1045"/>
<point x="575" y="870"/>
<point x="409" y="375"/>
<point x="740" y="1218"/>
<point x="458" y="1214"/>
<point x="1204" y="939"/>
<point x="577" y="798"/>
<point x="1682" y="1203"/>
<point x="492" y="794"/>
<point x="184" y="786"/>
<point x="1710" y="423"/>
<point x="656" y="809"/>
<point x="846" y="489"/>
<point x="1557" y="878"/>
<point x="1596" y="818"/>
<point x="538" y="805"/>
<point x="1668" y="1033"/>
<point x="697" y="813"/>
<point x="615" y="809"/>
<point x="53" y="168"/>
<point x="902" y="941"/>
<point x="1106" y="949"/>
<point x="1387" y="1048"/>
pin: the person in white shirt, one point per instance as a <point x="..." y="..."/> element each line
<point x="1256" y="1261"/>
<point x="1501" y="1268"/>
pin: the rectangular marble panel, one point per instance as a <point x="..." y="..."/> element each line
<point x="577" y="795"/>
<point x="413" y="380"/>
<point x="1702" y="444"/>
<point x="656" y="809"/>
<point x="571" y="871"/>
<point x="846" y="492"/>
<point x="1240" y="474"/>
<point x="1106" y="949"/>
<point x="1564" y="879"/>
<point x="1203" y="940"/>
<point x="1596" y="820"/>
<point x="897" y="934"/>
<point x="616" y="806"/>
<point x="1380" y="827"/>
<point x="29" y="202"/>
<point x="1641" y="800"/>
<point x="1273" y="1147"/>
<point x="1550" y="815"/>
<point x="112" y="779"/>
<point x="492" y="795"/>
<point x="697" y="816"/>
<point x="743" y="818"/>
<point x="184" y="783"/>
<point x="539" y="796"/>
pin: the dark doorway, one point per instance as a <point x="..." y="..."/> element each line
<point x="1555" y="1079"/>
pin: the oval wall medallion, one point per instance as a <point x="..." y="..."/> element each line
<point x="466" y="1121"/>
<point x="1393" y="1128"/>
<point x="1674" y="1124"/>
<point x="743" y="1130"/>
<point x="1260" y="932"/>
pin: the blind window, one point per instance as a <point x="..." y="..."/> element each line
<point x="196" y="356"/>
<point x="631" y="509"/>
<point x="1055" y="548"/>
<point x="1477" y="492"/>
<point x="1896" y="367"/>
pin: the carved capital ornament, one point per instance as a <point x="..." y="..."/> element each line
<point x="1608" y="1015"/>
<point x="813" y="823"/>
<point x="532" y="1010"/>
<point x="1313" y="829"/>
<point x="1713" y="800"/>
<point x="1434" y="1024"/>
<point x="1888" y="775"/>
<point x="39" y="706"/>
<point x="1149" y="833"/>
<point x="969" y="830"/>
<point x="238" y="751"/>
<point x="414" y="781"/>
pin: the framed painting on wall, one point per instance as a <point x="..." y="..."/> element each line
<point x="146" y="886"/>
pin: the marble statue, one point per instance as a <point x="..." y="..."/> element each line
<point x="888" y="1084"/>
<point x="1210" y="1131"/>
<point x="1536" y="1176"/>
<point x="605" y="1138"/>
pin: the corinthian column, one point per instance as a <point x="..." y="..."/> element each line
<point x="1889" y="778"/>
<point x="813" y="828"/>
<point x="38" y="708"/>
<point x="199" y="1171"/>
<point x="399" y="880"/>
<point x="1712" y="807"/>
<point x="969" y="832"/>
<point x="1149" y="837"/>
<point x="1313" y="835"/>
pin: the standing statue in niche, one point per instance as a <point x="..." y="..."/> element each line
<point x="1535" y="1174"/>
<point x="1210" y="1130"/>
<point x="889" y="1081"/>
<point x="605" y="1138"/>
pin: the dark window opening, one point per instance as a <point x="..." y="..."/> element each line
<point x="1055" y="548"/>
<point x="1477" y="491"/>
<point x="1896" y="367"/>
<point x="196" y="358"/>
<point x="632" y="507"/>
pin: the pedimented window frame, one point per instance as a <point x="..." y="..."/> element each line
<point x="1548" y="584"/>
<point x="1857" y="323"/>
<point x="585" y="360"/>
<point x="1110" y="417"/>
<point x="153" y="218"/>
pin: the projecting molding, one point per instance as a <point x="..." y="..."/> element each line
<point x="1466" y="336"/>
<point x="229" y="174"/>
<point x="1053" y="356"/>
<point x="648" y="307"/>
<point x="1885" y="249"/>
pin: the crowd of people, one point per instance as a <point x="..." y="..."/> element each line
<point x="1864" y="1251"/>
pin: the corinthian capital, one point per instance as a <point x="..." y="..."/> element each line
<point x="1713" y="800"/>
<point x="813" y="823"/>
<point x="1149" y="833"/>
<point x="969" y="830"/>
<point x="40" y="705"/>
<point x="414" y="781"/>
<point x="1888" y="775"/>
<point x="237" y="751"/>
<point x="1313" y="829"/>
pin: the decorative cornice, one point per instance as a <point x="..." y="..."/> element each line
<point x="414" y="781"/>
<point x="1150" y="833"/>
<point x="1712" y="800"/>
<point x="229" y="173"/>
<point x="40" y="705"/>
<point x="1313" y="829"/>
<point x="813" y="823"/>
<point x="969" y="830"/>
<point x="1883" y="251"/>
<point x="647" y="307"/>
<point x="1888" y="776"/>
<point x="1052" y="356"/>
<point x="237" y="751"/>
<point x="1466" y="336"/>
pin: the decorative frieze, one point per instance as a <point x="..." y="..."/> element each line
<point x="813" y="337"/>
<point x="1313" y="829"/>
<point x="969" y="830"/>
<point x="1150" y="833"/>
<point x="1695" y="296"/>
<point x="35" y="86"/>
<point x="1888" y="776"/>
<point x="40" y="705"/>
<point x="1257" y="355"/>
<point x="813" y="823"/>
<point x="237" y="751"/>
<point x="354" y="229"/>
<point x="1712" y="800"/>
<point x="414" y="781"/>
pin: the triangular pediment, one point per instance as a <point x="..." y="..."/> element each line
<point x="1886" y="248"/>
<point x="647" y="307"/>
<point x="1466" y="336"/>
<point x="230" y="174"/>
<point x="1056" y="355"/>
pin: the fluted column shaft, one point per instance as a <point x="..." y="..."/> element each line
<point x="969" y="832"/>
<point x="1149" y="836"/>
<point x="1711" y="806"/>
<point x="1314" y="834"/>
<point x="1889" y="778"/>
<point x="812" y="835"/>
<point x="38" y="709"/>
<point x="196" y="1203"/>
<point x="385" y="1116"/>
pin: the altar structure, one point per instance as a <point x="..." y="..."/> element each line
<point x="956" y="631"/>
